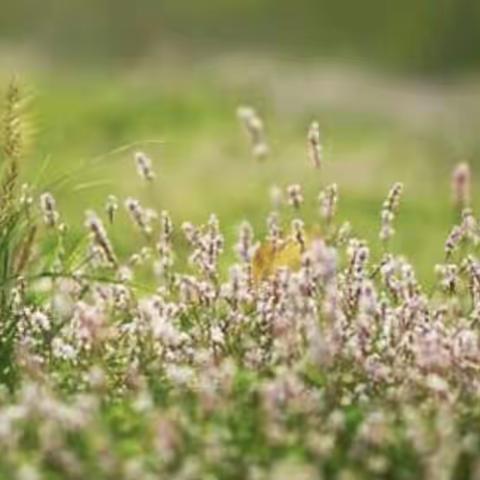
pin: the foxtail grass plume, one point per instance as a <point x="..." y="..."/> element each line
<point x="12" y="123"/>
<point x="12" y="132"/>
<point x="255" y="129"/>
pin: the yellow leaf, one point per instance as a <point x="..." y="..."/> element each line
<point x="268" y="258"/>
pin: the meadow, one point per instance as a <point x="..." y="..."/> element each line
<point x="198" y="281"/>
<point x="413" y="133"/>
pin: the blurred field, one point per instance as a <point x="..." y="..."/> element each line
<point x="432" y="36"/>
<point x="376" y="130"/>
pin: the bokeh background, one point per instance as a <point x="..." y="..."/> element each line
<point x="394" y="85"/>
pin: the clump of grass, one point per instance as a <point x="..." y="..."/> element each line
<point x="17" y="233"/>
<point x="309" y="356"/>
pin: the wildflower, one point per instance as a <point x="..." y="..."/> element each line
<point x="41" y="320"/>
<point x="165" y="262"/>
<point x="298" y="233"/>
<point x="190" y="232"/>
<point x="295" y="196"/>
<point x="144" y="166"/>
<point x="88" y="324"/>
<point x="245" y="247"/>
<point x="207" y="245"/>
<point x="63" y="350"/>
<point x="99" y="236"/>
<point x="49" y="209"/>
<point x="323" y="260"/>
<point x="139" y="215"/>
<point x="389" y="209"/>
<point x="166" y="230"/>
<point x="315" y="147"/>
<point x="236" y="290"/>
<point x="453" y="240"/>
<point x="255" y="129"/>
<point x="470" y="226"/>
<point x="344" y="233"/>
<point x="448" y="274"/>
<point x="358" y="253"/>
<point x="328" y="199"/>
<point x="274" y="230"/>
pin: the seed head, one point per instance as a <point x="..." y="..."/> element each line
<point x="315" y="148"/>
<point x="453" y="240"/>
<point x="245" y="247"/>
<point x="254" y="127"/>
<point x="49" y="209"/>
<point x="144" y="166"/>
<point x="274" y="229"/>
<point x="99" y="236"/>
<point x="139" y="215"/>
<point x="111" y="207"/>
<point x="298" y="233"/>
<point x="328" y="199"/>
<point x="389" y="210"/>
<point x="295" y="196"/>
<point x="166" y="231"/>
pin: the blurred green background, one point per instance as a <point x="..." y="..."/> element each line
<point x="414" y="35"/>
<point x="394" y="85"/>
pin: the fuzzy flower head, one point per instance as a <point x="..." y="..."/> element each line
<point x="99" y="236"/>
<point x="144" y="166"/>
<point x="254" y="127"/>
<point x="295" y="196"/>
<point x="49" y="209"/>
<point x="328" y="199"/>
<point x="315" y="148"/>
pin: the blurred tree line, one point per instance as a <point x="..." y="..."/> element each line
<point x="425" y="36"/>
